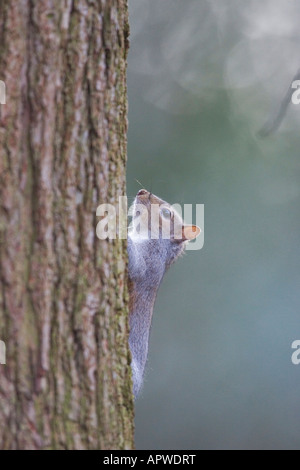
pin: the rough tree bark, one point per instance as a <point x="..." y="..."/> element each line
<point x="63" y="299"/>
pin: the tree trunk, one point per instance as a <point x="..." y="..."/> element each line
<point x="63" y="300"/>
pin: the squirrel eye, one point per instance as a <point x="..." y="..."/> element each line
<point x="166" y="213"/>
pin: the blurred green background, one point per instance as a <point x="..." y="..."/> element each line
<point x="203" y="77"/>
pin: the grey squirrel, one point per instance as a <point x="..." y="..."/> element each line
<point x="150" y="254"/>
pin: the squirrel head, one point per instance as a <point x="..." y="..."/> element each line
<point x="159" y="228"/>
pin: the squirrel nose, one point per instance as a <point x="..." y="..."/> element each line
<point x="142" y="192"/>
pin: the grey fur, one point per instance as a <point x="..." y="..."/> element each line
<point x="148" y="261"/>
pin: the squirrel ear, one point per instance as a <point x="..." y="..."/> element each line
<point x="189" y="232"/>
